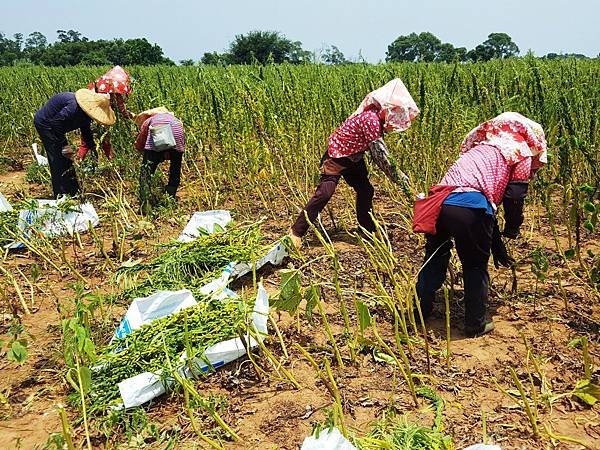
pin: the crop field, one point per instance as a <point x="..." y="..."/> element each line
<point x="346" y="346"/>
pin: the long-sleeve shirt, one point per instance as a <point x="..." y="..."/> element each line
<point x="484" y="169"/>
<point x="355" y="135"/>
<point x="62" y="114"/>
<point x="484" y="178"/>
<point x="144" y="139"/>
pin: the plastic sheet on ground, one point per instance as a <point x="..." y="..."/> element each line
<point x="40" y="159"/>
<point x="144" y="310"/>
<point x="4" y="204"/>
<point x="327" y="440"/>
<point x="137" y="390"/>
<point x="235" y="270"/>
<point x="49" y="220"/>
<point x="204" y="222"/>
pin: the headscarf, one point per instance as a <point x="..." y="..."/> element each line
<point x="516" y="136"/>
<point x="140" y="118"/>
<point x="397" y="107"/>
<point x="115" y="81"/>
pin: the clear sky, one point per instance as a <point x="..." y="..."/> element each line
<point x="187" y="29"/>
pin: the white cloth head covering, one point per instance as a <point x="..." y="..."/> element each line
<point x="516" y="136"/>
<point x="398" y="109"/>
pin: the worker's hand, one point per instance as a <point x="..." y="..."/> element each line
<point x="83" y="150"/>
<point x="107" y="149"/>
<point x="67" y="152"/>
<point x="511" y="233"/>
<point x="499" y="251"/>
<point x="502" y="258"/>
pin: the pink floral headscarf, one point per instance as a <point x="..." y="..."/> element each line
<point x="115" y="81"/>
<point x="516" y="136"/>
<point x="397" y="107"/>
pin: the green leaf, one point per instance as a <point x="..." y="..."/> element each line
<point x="570" y="253"/>
<point x="364" y="316"/>
<point x="589" y="207"/>
<point x="587" y="391"/>
<point x="86" y="378"/>
<point x="70" y="379"/>
<point x="289" y="296"/>
<point x="17" y="353"/>
<point x="380" y="356"/>
<point x="575" y="343"/>
<point x="311" y="295"/>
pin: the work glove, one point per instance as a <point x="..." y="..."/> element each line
<point x="511" y="233"/>
<point x="107" y="149"/>
<point x="83" y="150"/>
<point x="499" y="251"/>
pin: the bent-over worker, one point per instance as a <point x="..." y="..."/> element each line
<point x="66" y="112"/>
<point x="161" y="138"/>
<point x="387" y="109"/>
<point x="497" y="160"/>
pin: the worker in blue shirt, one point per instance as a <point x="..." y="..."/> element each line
<point x="66" y="112"/>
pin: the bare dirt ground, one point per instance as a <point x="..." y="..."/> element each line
<point x="271" y="414"/>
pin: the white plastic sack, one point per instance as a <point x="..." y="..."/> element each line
<point x="235" y="270"/>
<point x="483" y="447"/>
<point x="40" y="159"/>
<point x="204" y="221"/>
<point x="4" y="204"/>
<point x="49" y="220"/>
<point x="160" y="304"/>
<point x="137" y="390"/>
<point x="274" y="256"/>
<point x="327" y="440"/>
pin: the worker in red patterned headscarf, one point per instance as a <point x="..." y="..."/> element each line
<point x="117" y="84"/>
<point x="387" y="109"/>
<point x="498" y="159"/>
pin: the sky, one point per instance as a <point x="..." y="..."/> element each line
<point x="186" y="29"/>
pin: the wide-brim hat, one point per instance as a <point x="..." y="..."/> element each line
<point x="95" y="105"/>
<point x="140" y="118"/>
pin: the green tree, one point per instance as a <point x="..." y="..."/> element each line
<point x="35" y="45"/>
<point x="265" y="47"/>
<point x="70" y="36"/>
<point x="497" y="46"/>
<point x="215" y="59"/>
<point x="423" y="47"/>
<point x="10" y="50"/>
<point x="333" y="55"/>
<point x="186" y="62"/>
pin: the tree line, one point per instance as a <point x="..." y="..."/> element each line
<point x="72" y="48"/>
<point x="263" y="47"/>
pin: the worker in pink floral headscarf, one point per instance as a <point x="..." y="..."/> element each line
<point x="497" y="160"/>
<point x="387" y="109"/>
<point x="117" y="84"/>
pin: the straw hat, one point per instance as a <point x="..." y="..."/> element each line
<point x="97" y="106"/>
<point x="140" y="118"/>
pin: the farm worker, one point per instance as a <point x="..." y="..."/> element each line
<point x="65" y="112"/>
<point x="116" y="83"/>
<point x="497" y="160"/>
<point x="387" y="109"/>
<point x="161" y="137"/>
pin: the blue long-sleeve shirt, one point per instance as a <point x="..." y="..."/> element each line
<point x="62" y="114"/>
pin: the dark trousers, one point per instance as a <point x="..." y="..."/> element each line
<point x="150" y="162"/>
<point x="62" y="171"/>
<point x="357" y="177"/>
<point x="472" y="232"/>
